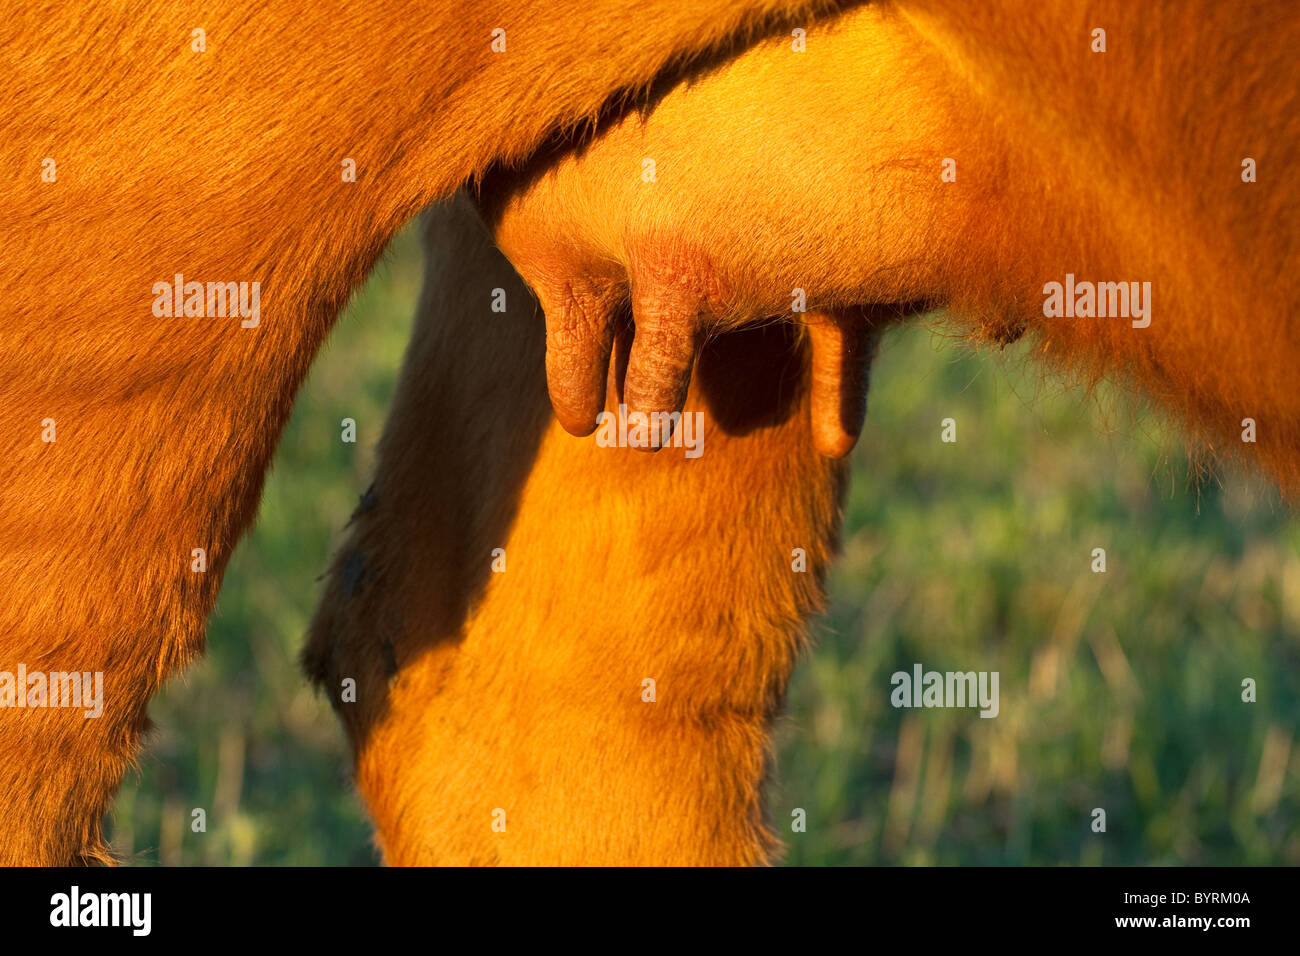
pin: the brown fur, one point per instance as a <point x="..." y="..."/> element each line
<point x="512" y="692"/>
<point x="223" y="166"/>
<point x="520" y="691"/>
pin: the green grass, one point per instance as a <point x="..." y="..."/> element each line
<point x="1119" y="691"/>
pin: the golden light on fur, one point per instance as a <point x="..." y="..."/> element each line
<point x="822" y="170"/>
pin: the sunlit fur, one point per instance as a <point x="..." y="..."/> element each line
<point x="224" y="166"/>
<point x="521" y="691"/>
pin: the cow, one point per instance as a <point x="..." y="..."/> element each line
<point x="570" y="653"/>
<point x="146" y="151"/>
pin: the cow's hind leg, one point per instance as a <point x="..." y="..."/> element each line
<point x="565" y="652"/>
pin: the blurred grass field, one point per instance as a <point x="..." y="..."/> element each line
<point x="1119" y="691"/>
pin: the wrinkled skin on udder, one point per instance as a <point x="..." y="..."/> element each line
<point x="777" y="177"/>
